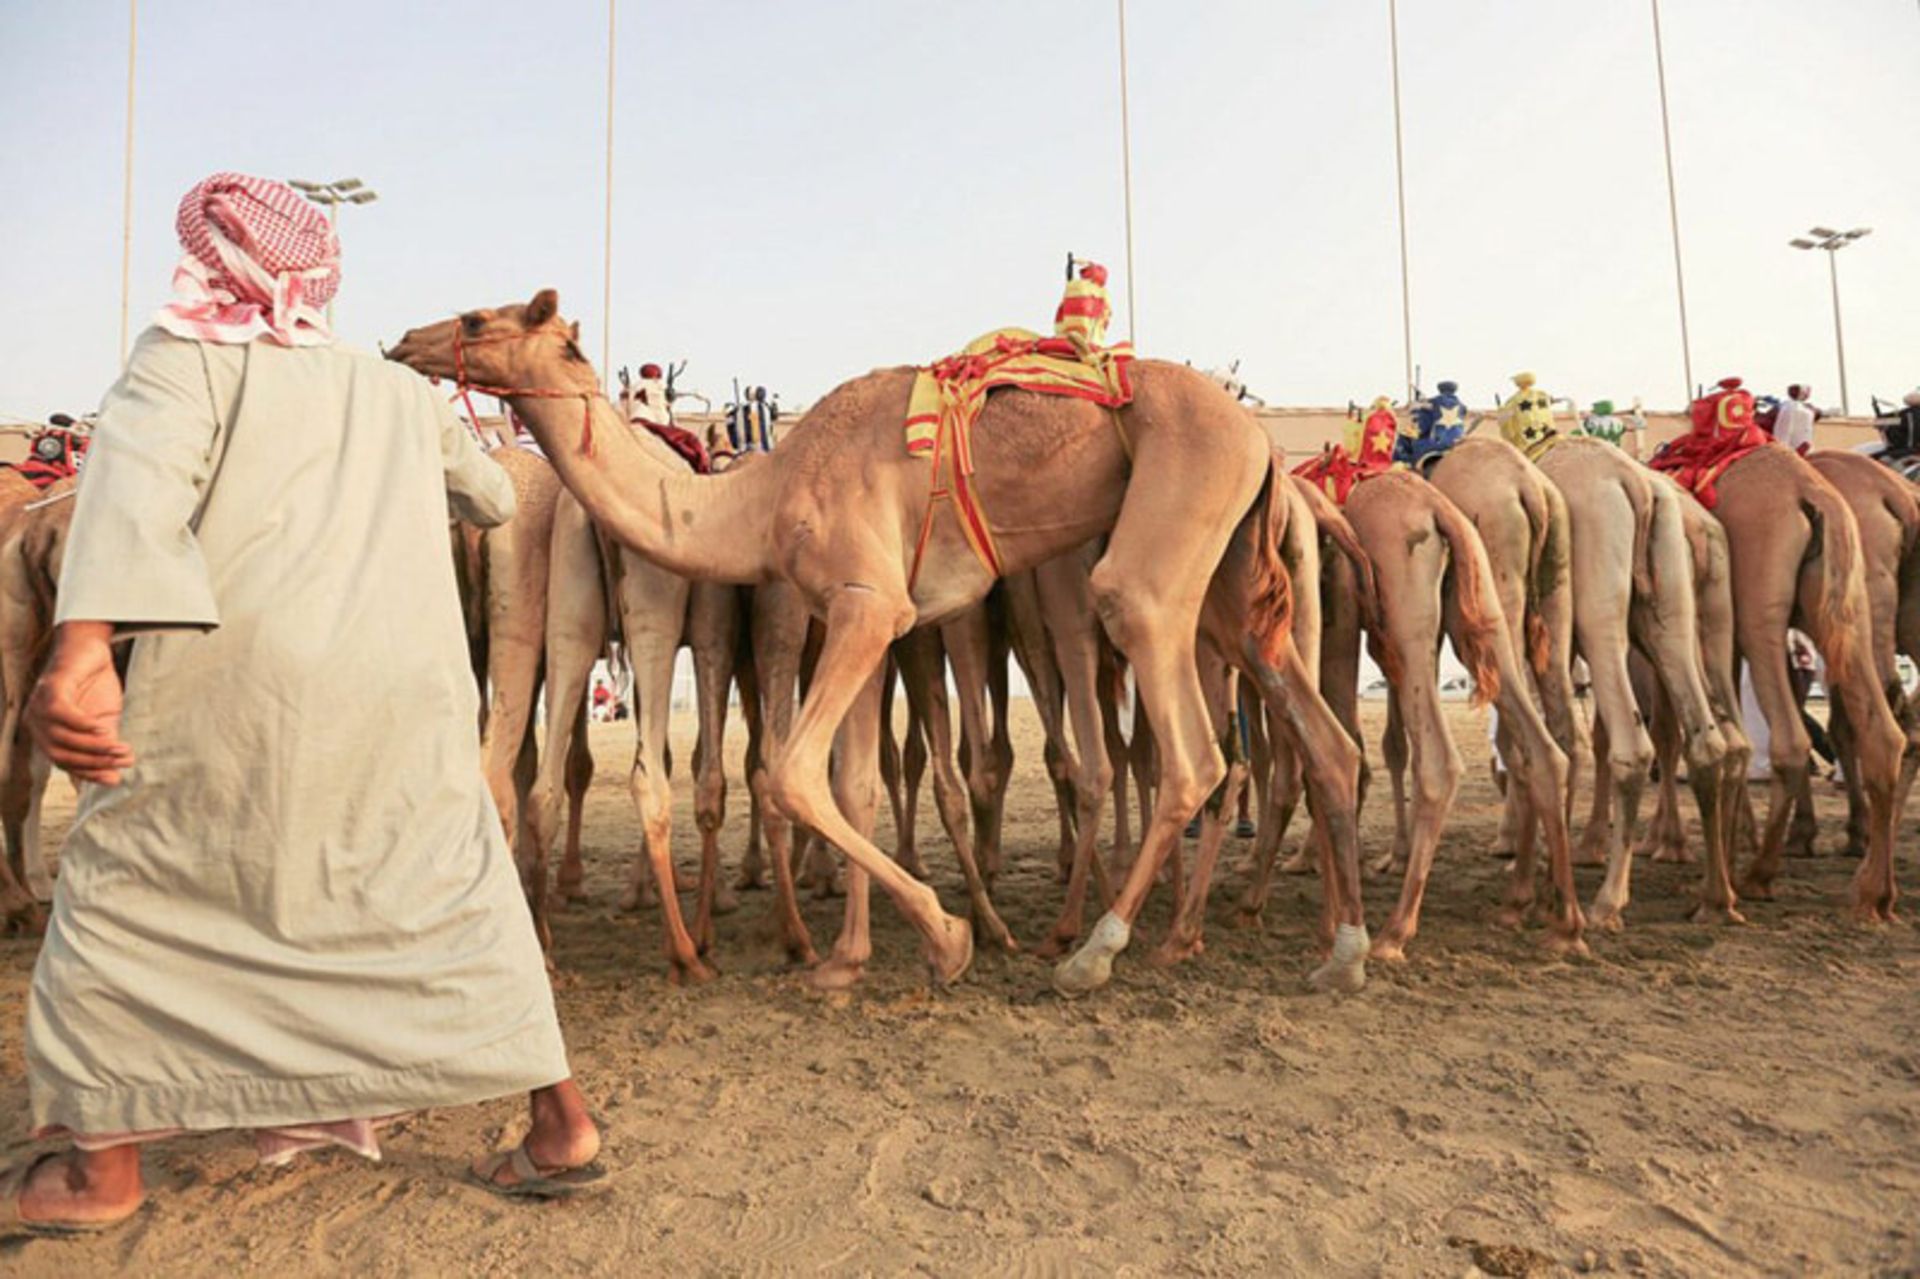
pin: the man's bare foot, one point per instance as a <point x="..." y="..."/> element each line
<point x="80" y="1189"/>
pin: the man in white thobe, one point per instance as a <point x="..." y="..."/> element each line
<point x="1793" y="424"/>
<point x="286" y="904"/>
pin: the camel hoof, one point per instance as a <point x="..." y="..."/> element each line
<point x="1389" y="948"/>
<point x="1561" y="944"/>
<point x="1345" y="972"/>
<point x="836" y="974"/>
<point x="995" y="935"/>
<point x="1176" y="950"/>
<point x="949" y="955"/>
<point x="1247" y="919"/>
<point x="629" y="901"/>
<point x="1091" y="967"/>
<point x="1678" y="854"/>
<point x="1381" y="865"/>
<point x="724" y="901"/>
<point x="1056" y="945"/>
<point x="1705" y="913"/>
<point x="912" y="864"/>
<point x="1760" y="890"/>
<point x="1301" y="863"/>
<point x="750" y="882"/>
<point x="690" y="973"/>
<point x="1513" y="915"/>
<point x="1606" y="918"/>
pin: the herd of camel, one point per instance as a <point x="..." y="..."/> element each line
<point x="1165" y="539"/>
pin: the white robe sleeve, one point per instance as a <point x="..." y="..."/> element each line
<point x="132" y="558"/>
<point x="477" y="486"/>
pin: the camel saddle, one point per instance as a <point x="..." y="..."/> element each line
<point x="948" y="395"/>
<point x="681" y="441"/>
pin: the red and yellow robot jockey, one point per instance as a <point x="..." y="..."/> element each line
<point x="1366" y="451"/>
<point x="1724" y="431"/>
<point x="1085" y="309"/>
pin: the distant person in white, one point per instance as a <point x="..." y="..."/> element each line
<point x="1794" y="425"/>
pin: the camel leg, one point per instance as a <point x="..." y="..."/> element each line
<point x="1067" y="610"/>
<point x="904" y="850"/>
<point x="1259" y="752"/>
<point x="579" y="778"/>
<point x="967" y="644"/>
<point x="779" y="628"/>
<point x="1602" y="578"/>
<point x="1435" y="762"/>
<point x="1665" y="839"/>
<point x="1032" y="648"/>
<point x="1840" y="733"/>
<point x="1328" y="757"/>
<point x="1394" y="748"/>
<point x="1119" y="752"/>
<point x="1143" y="763"/>
<point x="1878" y="744"/>
<point x="746" y="678"/>
<point x="861" y="623"/>
<point x="712" y="631"/>
<point x="1186" y="934"/>
<point x="919" y="657"/>
<point x="1283" y="797"/>
<point x="913" y="770"/>
<point x="1147" y="589"/>
<point x="1762" y="633"/>
<point x="653" y="607"/>
<point x="1802" y="830"/>
<point x="1592" y="848"/>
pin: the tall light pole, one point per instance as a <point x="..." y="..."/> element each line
<point x="1126" y="167"/>
<point x="1400" y="184"/>
<point x="1832" y="242"/>
<point x="1673" y="204"/>
<point x="333" y="195"/>
<point x="606" y="250"/>
<point x="126" y="192"/>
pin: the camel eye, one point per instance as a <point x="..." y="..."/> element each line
<point x="472" y="323"/>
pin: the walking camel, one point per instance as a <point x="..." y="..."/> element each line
<point x="1796" y="558"/>
<point x="834" y="512"/>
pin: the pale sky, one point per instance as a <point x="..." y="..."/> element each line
<point x="807" y="190"/>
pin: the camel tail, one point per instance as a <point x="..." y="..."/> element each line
<point x="1478" y="606"/>
<point x="1541" y="569"/>
<point x="1270" y="608"/>
<point x="1640" y="498"/>
<point x="1836" y="540"/>
<point x="1338" y="530"/>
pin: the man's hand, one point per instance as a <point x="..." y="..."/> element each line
<point x="75" y="711"/>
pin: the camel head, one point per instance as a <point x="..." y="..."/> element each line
<point x="524" y="346"/>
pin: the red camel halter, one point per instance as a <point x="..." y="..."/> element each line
<point x="460" y="379"/>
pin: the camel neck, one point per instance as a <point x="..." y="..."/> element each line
<point x="705" y="527"/>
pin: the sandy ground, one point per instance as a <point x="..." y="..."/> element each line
<point x="1690" y="1101"/>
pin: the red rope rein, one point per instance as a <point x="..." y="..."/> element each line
<point x="465" y="384"/>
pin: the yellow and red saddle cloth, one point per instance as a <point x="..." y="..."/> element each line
<point x="1367" y="452"/>
<point x="949" y="394"/>
<point x="1724" y="431"/>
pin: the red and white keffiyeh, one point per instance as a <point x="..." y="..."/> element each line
<point x="261" y="261"/>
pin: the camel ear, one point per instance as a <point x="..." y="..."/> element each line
<point x="545" y="305"/>
<point x="576" y="330"/>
